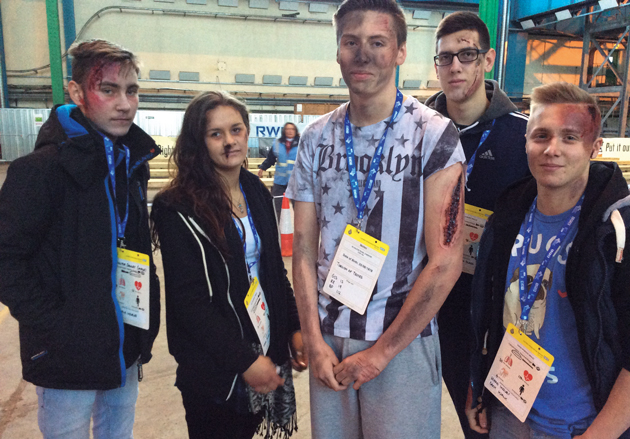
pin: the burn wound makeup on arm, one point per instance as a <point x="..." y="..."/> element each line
<point x="452" y="214"/>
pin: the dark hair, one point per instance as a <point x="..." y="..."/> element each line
<point x="283" y="136"/>
<point x="463" y="20"/>
<point x="565" y="93"/>
<point x="386" y="6"/>
<point x="195" y="180"/>
<point x="90" y="57"/>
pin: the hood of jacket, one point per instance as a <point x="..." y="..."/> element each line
<point x="82" y="151"/>
<point x="500" y="104"/>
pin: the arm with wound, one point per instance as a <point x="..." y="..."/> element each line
<point x="443" y="226"/>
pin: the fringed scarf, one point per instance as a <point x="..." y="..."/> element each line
<point x="277" y="408"/>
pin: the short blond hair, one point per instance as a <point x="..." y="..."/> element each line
<point x="565" y="93"/>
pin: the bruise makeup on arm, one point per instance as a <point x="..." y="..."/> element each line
<point x="451" y="217"/>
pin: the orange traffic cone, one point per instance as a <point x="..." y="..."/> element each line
<point x="286" y="228"/>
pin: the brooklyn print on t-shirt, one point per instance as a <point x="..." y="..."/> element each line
<point x="420" y="143"/>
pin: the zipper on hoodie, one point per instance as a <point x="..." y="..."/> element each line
<point x="227" y="272"/>
<point x="140" y="373"/>
<point x="119" y="318"/>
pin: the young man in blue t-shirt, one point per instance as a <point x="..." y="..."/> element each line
<point x="573" y="299"/>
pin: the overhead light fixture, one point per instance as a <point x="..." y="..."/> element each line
<point x="565" y="14"/>
<point x="528" y="24"/>
<point x="607" y="4"/>
<point x="421" y="15"/>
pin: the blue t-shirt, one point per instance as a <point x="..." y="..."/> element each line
<point x="565" y="401"/>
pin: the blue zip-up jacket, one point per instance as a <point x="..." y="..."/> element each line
<point x="58" y="256"/>
<point x="598" y="288"/>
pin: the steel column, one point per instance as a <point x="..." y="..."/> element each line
<point x="54" y="48"/>
<point x="625" y="91"/>
<point x="489" y="13"/>
<point x="4" y="88"/>
<point x="69" y="30"/>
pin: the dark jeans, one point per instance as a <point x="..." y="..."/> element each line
<point x="207" y="420"/>
<point x="456" y="342"/>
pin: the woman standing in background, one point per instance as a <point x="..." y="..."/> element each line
<point x="282" y="153"/>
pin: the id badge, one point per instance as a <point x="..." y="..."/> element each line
<point x="518" y="372"/>
<point x="475" y="219"/>
<point x="132" y="287"/>
<point x="259" y="313"/>
<point x="355" y="269"/>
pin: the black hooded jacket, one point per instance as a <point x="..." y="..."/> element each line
<point x="58" y="255"/>
<point x="209" y="331"/>
<point x="598" y="288"/>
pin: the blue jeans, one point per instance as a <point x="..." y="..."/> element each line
<point x="66" y="414"/>
<point x="507" y="426"/>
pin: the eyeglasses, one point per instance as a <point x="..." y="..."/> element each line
<point x="464" y="56"/>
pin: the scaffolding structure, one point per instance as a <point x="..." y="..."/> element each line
<point x="605" y="69"/>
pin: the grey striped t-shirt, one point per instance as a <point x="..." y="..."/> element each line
<point x="421" y="143"/>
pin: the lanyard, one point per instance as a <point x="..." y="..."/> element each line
<point x="255" y="233"/>
<point x="109" y="153"/>
<point x="471" y="163"/>
<point x="527" y="299"/>
<point x="376" y="160"/>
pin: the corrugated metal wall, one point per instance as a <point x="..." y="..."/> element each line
<point x="18" y="131"/>
<point x="19" y="127"/>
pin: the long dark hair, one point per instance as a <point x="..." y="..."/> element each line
<point x="283" y="134"/>
<point x="196" y="181"/>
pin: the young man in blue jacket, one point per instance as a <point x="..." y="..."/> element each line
<point x="75" y="252"/>
<point x="552" y="263"/>
<point x="492" y="133"/>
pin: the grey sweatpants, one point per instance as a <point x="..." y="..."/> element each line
<point x="403" y="402"/>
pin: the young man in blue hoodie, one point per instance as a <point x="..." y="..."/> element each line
<point x="75" y="251"/>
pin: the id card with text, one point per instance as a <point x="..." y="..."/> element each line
<point x="518" y="372"/>
<point x="259" y="313"/>
<point x="355" y="269"/>
<point x="132" y="287"/>
<point x="475" y="219"/>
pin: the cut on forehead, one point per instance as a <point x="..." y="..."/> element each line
<point x="463" y="39"/>
<point x="574" y="116"/>
<point x="356" y="19"/>
<point x="100" y="70"/>
<point x="389" y="8"/>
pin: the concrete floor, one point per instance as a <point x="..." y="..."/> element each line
<point x="159" y="411"/>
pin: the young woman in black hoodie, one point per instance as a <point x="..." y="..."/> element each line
<point x="234" y="343"/>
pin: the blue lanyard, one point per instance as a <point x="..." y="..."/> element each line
<point x="471" y="163"/>
<point x="111" y="165"/>
<point x="527" y="299"/>
<point x="376" y="160"/>
<point x="255" y="233"/>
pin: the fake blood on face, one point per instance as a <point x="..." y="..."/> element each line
<point x="110" y="99"/>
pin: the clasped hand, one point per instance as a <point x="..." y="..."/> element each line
<point x="359" y="368"/>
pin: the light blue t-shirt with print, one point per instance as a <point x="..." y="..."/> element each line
<point x="565" y="401"/>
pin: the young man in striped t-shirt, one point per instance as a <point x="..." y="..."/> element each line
<point x="414" y="204"/>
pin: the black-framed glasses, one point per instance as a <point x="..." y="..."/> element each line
<point x="464" y="56"/>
